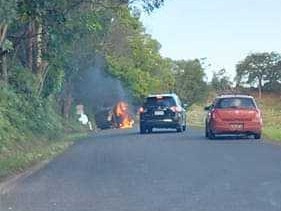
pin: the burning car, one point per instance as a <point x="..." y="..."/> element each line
<point x="120" y="116"/>
<point x="117" y="116"/>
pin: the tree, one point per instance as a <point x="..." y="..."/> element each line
<point x="273" y="79"/>
<point x="220" y="82"/>
<point x="147" y="5"/>
<point x="56" y="40"/>
<point x="133" y="56"/>
<point x="47" y="46"/>
<point x="256" y="68"/>
<point x="7" y="14"/>
<point x="189" y="83"/>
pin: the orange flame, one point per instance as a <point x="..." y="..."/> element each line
<point x="122" y="114"/>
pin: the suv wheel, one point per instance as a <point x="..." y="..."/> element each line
<point x="179" y="128"/>
<point x="142" y="128"/>
<point x="257" y="136"/>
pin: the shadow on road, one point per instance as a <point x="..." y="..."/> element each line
<point x="163" y="132"/>
<point x="233" y="138"/>
<point x="194" y="135"/>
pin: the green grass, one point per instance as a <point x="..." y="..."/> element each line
<point x="32" y="130"/>
<point x="196" y="116"/>
<point x="272" y="133"/>
<point x="270" y="106"/>
<point x="28" y="153"/>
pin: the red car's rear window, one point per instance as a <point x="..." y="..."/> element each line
<point x="235" y="102"/>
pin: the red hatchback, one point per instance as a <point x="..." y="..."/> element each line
<point x="233" y="114"/>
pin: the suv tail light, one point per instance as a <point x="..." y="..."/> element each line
<point x="142" y="110"/>
<point x="176" y="109"/>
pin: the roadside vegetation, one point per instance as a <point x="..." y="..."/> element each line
<point x="48" y="46"/>
<point x="45" y="48"/>
<point x="270" y="105"/>
<point x="17" y="156"/>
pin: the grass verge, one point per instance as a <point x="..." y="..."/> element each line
<point x="196" y="116"/>
<point x="28" y="153"/>
<point x="272" y="133"/>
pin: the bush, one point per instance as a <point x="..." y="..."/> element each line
<point x="23" y="117"/>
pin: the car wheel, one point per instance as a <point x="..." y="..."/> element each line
<point x="211" y="135"/>
<point x="179" y="128"/>
<point x="184" y="128"/>
<point x="257" y="136"/>
<point x="206" y="132"/>
<point x="150" y="130"/>
<point x="142" y="129"/>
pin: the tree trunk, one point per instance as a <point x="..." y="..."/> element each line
<point x="39" y="46"/>
<point x="41" y="76"/>
<point x="260" y="87"/>
<point x="66" y="101"/>
<point x="3" y="32"/>
<point x="67" y="105"/>
<point x="30" y="45"/>
<point x="41" y="66"/>
<point x="4" y="70"/>
<point x="3" y="58"/>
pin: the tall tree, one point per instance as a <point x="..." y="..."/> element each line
<point x="273" y="78"/>
<point x="134" y="57"/>
<point x="220" y="81"/>
<point x="190" y="84"/>
<point x="255" y="68"/>
<point x="7" y="14"/>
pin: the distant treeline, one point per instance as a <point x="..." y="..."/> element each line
<point x="258" y="71"/>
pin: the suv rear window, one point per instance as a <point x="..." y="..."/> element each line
<point x="160" y="101"/>
<point x="234" y="102"/>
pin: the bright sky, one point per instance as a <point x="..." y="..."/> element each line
<point x="224" y="31"/>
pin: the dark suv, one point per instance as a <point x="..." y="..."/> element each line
<point x="233" y="114"/>
<point x="162" y="111"/>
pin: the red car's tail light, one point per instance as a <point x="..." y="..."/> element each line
<point x="214" y="115"/>
<point x="258" y="117"/>
<point x="258" y="114"/>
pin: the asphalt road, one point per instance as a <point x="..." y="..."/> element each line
<point x="165" y="171"/>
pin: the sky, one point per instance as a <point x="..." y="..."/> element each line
<point x="223" y="31"/>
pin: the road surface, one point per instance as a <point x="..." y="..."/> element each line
<point x="164" y="171"/>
